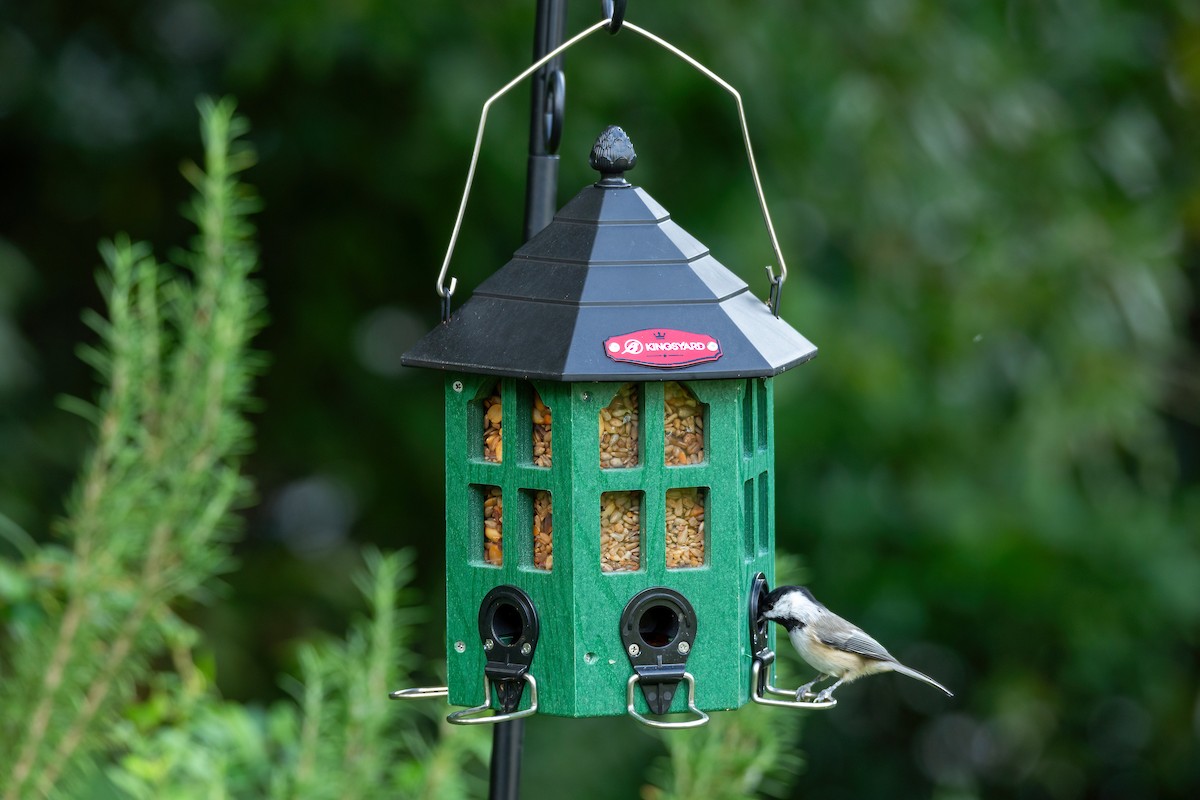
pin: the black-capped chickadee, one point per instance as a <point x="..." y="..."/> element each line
<point x="830" y="644"/>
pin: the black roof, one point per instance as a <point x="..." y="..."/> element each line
<point x="612" y="262"/>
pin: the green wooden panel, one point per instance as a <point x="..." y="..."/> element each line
<point x="580" y="663"/>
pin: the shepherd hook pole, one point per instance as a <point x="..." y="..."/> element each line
<point x="541" y="201"/>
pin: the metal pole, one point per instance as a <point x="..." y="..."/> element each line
<point x="508" y="739"/>
<point x="541" y="200"/>
<point x="545" y="119"/>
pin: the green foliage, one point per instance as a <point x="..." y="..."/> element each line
<point x="338" y="738"/>
<point x="984" y="450"/>
<point x="150" y="523"/>
<point x="146" y="521"/>
<point x="750" y="753"/>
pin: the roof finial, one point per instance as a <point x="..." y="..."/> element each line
<point x="612" y="156"/>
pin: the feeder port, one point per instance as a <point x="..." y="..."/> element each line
<point x="658" y="625"/>
<point x="504" y="623"/>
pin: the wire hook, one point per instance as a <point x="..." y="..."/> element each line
<point x="468" y="716"/>
<point x="775" y="290"/>
<point x="420" y="693"/>
<point x="761" y="689"/>
<point x="616" y="20"/>
<point x="554" y="109"/>
<point x="446" y="292"/>
<point x="697" y="719"/>
<point x="613" y="12"/>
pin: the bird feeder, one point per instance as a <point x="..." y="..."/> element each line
<point x="610" y="484"/>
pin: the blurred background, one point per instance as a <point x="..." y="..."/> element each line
<point x="991" y="212"/>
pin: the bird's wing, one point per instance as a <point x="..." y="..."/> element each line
<point x="854" y="640"/>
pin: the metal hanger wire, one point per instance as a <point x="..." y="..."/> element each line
<point x="776" y="282"/>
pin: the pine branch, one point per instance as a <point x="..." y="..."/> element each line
<point x="154" y="504"/>
<point x="312" y="709"/>
<point x="340" y="738"/>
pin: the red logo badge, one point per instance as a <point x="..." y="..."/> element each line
<point x="663" y="347"/>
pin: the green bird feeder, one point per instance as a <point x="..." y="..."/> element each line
<point x="610" y="483"/>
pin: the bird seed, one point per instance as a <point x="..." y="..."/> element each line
<point x="683" y="426"/>
<point x="542" y="448"/>
<point x="543" y="531"/>
<point x="493" y="445"/>
<point x="619" y="430"/>
<point x="493" y="526"/>
<point x="685" y="527"/>
<point x="620" y="531"/>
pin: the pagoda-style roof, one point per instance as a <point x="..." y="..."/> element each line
<point x="612" y="264"/>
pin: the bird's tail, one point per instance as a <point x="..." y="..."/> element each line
<point x="912" y="673"/>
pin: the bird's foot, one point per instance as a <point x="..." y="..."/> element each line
<point x="826" y="695"/>
<point x="805" y="691"/>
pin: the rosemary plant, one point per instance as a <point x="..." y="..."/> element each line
<point x="146" y="522"/>
<point x="86" y="705"/>
<point x="340" y="737"/>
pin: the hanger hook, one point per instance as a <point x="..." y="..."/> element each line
<point x="614" y="12"/>
<point x="617" y="9"/>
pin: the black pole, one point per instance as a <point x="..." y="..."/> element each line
<point x="508" y="739"/>
<point x="541" y="200"/>
<point x="545" y="119"/>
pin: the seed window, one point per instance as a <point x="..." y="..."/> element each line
<point x="683" y="426"/>
<point x="542" y="446"/>
<point x="764" y="512"/>
<point x="493" y="444"/>
<point x="748" y="419"/>
<point x="619" y="430"/>
<point x="543" y="531"/>
<point x="493" y="525"/>
<point x="620" y="531"/>
<point x="748" y="518"/>
<point x="685" y="527"/>
<point x="760" y="391"/>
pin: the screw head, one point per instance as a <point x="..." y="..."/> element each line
<point x="634" y="650"/>
<point x="526" y="649"/>
<point x="488" y="644"/>
<point x="460" y="647"/>
<point x="586" y="395"/>
<point x="684" y="648"/>
<point x="457" y="386"/>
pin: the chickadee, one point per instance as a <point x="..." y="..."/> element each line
<point x="830" y="644"/>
